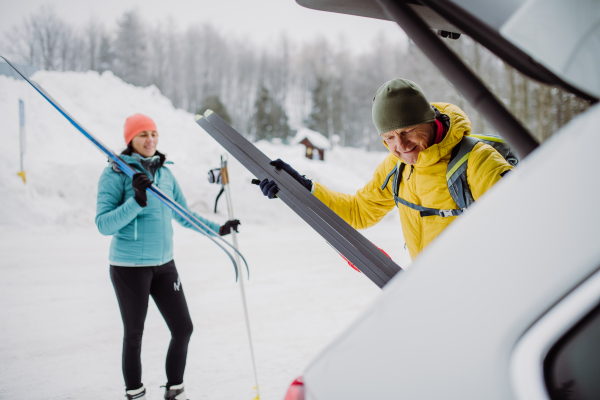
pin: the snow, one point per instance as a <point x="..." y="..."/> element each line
<point x="61" y="330"/>
<point x="317" y="139"/>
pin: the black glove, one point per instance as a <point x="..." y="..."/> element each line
<point x="229" y="225"/>
<point x="280" y="164"/>
<point x="269" y="188"/>
<point x="140" y="183"/>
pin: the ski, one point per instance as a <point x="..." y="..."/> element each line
<point x="337" y="232"/>
<point x="154" y="190"/>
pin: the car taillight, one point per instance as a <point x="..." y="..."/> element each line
<point x="296" y="390"/>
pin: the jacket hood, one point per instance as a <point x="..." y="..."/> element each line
<point x="460" y="126"/>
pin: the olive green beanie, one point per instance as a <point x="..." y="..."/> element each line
<point x="400" y="103"/>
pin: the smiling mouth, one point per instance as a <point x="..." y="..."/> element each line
<point x="409" y="151"/>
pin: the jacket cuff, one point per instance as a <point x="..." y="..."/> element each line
<point x="318" y="191"/>
<point x="133" y="205"/>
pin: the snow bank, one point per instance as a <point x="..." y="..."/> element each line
<point x="63" y="167"/>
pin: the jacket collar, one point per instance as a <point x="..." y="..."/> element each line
<point x="134" y="162"/>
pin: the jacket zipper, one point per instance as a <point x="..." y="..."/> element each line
<point x="135" y="229"/>
<point x="412" y="168"/>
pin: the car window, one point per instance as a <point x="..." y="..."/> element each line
<point x="572" y="367"/>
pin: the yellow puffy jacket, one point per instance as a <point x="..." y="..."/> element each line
<point x="426" y="186"/>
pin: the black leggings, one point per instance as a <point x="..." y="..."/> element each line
<point x="132" y="286"/>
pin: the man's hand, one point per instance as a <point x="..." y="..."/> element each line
<point x="270" y="189"/>
<point x="280" y="164"/>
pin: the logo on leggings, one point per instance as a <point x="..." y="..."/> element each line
<point x="177" y="284"/>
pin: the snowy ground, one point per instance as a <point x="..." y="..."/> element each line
<point x="61" y="332"/>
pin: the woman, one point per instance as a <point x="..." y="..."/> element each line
<point x="141" y="252"/>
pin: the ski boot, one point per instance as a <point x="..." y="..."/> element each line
<point x="175" y="392"/>
<point x="137" y="394"/>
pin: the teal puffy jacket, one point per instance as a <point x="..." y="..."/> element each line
<point x="142" y="236"/>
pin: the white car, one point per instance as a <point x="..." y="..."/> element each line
<point x="505" y="304"/>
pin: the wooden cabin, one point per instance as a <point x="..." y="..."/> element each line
<point x="315" y="143"/>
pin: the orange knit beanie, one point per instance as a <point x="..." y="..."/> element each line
<point x="135" y="124"/>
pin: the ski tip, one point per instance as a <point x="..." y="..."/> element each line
<point x="208" y="112"/>
<point x="198" y="117"/>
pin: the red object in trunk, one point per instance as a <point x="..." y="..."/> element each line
<point x="353" y="266"/>
<point x="296" y="390"/>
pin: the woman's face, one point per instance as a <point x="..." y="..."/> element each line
<point x="145" y="143"/>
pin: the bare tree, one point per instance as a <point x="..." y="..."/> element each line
<point x="48" y="30"/>
<point x="131" y="49"/>
<point x="93" y="36"/>
<point x="157" y="57"/>
<point x="20" y="44"/>
<point x="106" y="54"/>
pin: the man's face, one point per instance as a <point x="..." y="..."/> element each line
<point x="407" y="143"/>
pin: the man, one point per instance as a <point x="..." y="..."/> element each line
<point x="421" y="136"/>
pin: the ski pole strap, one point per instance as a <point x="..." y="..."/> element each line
<point x="217" y="199"/>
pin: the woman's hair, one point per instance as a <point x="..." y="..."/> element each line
<point x="129" y="150"/>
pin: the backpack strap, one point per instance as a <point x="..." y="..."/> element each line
<point x="389" y="176"/>
<point x="456" y="174"/>
<point x="423" y="211"/>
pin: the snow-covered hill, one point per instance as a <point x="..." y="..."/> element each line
<point x="63" y="167"/>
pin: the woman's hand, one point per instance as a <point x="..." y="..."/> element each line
<point x="228" y="226"/>
<point x="140" y="183"/>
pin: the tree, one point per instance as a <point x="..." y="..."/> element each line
<point x="20" y="43"/>
<point x="106" y="54"/>
<point x="93" y="37"/>
<point x="48" y="30"/>
<point x="213" y="102"/>
<point x="157" y="57"/>
<point x="319" y="115"/>
<point x="130" y="49"/>
<point x="270" y="119"/>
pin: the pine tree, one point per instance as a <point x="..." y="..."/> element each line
<point x="213" y="102"/>
<point x="318" y="120"/>
<point x="106" y="54"/>
<point x="270" y="119"/>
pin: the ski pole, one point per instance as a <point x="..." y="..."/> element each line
<point x="225" y="183"/>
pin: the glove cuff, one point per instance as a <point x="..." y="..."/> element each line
<point x="142" y="204"/>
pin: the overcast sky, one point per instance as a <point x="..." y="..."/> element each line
<point x="260" y="20"/>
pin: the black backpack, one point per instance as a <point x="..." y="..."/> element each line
<point x="456" y="175"/>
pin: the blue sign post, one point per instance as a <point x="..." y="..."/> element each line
<point x="22" y="137"/>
